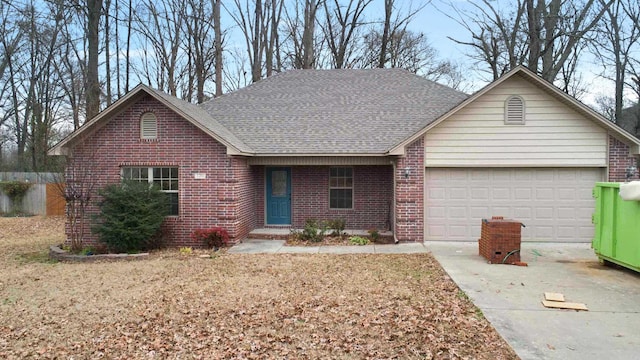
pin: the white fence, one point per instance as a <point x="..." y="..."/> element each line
<point x="35" y="201"/>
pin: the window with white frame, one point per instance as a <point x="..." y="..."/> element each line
<point x="148" y="126"/>
<point x="166" y="178"/>
<point x="514" y="110"/>
<point x="341" y="188"/>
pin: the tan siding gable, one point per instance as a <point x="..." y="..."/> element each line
<point x="553" y="134"/>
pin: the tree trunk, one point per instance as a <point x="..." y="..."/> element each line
<point x="384" y="41"/>
<point x="94" y="8"/>
<point x="256" y="43"/>
<point x="107" y="50"/>
<point x="308" y="55"/>
<point x="217" y="29"/>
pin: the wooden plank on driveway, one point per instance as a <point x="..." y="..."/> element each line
<point x="564" y="305"/>
<point x="553" y="296"/>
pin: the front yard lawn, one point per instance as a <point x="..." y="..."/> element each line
<point x="231" y="306"/>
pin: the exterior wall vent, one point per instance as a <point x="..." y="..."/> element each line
<point x="148" y="126"/>
<point x="514" y="111"/>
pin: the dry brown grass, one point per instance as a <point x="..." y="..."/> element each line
<point x="231" y="306"/>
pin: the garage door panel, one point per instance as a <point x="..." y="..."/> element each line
<point x="566" y="213"/>
<point x="545" y="193"/>
<point x="554" y="204"/>
<point x="522" y="194"/>
<point x="566" y="194"/>
<point x="479" y="212"/>
<point x="480" y="194"/>
<point x="457" y="212"/>
<point x="457" y="194"/>
<point x="501" y="193"/>
<point x="522" y="213"/>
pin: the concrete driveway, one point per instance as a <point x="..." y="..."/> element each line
<point x="510" y="298"/>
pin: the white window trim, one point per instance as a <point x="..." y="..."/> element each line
<point x="147" y="118"/>
<point x="352" y="188"/>
<point x="522" y="118"/>
<point x="150" y="180"/>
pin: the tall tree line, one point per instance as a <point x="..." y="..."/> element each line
<point x="555" y="38"/>
<point x="62" y="62"/>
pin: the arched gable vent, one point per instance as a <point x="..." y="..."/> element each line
<point x="148" y="126"/>
<point x="514" y="110"/>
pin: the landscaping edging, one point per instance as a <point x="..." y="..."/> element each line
<point x="56" y="253"/>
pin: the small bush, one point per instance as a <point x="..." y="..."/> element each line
<point x="374" y="234"/>
<point x="314" y="230"/>
<point x="130" y="216"/>
<point x="15" y="190"/>
<point x="186" y="251"/>
<point x="215" y="237"/>
<point x="338" y="226"/>
<point x="295" y="234"/>
<point x="358" y="240"/>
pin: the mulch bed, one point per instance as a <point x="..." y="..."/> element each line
<point x="334" y="241"/>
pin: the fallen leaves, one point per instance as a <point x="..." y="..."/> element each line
<point x="241" y="306"/>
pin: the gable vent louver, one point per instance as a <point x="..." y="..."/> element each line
<point x="514" y="112"/>
<point x="148" y="126"/>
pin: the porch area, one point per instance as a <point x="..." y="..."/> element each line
<point x="287" y="196"/>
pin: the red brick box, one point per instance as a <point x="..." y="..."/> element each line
<point x="500" y="240"/>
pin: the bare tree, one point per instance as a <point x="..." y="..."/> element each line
<point x="542" y="34"/>
<point x="238" y="73"/>
<point x="217" y="33"/>
<point x="70" y="66"/>
<point x="77" y="184"/>
<point x="258" y="22"/>
<point x="496" y="39"/>
<point x="249" y="18"/>
<point x="302" y="43"/>
<point x="160" y="25"/>
<point x="615" y="45"/>
<point x="199" y="23"/>
<point x="127" y="60"/>
<point x="308" y="33"/>
<point x="93" y="10"/>
<point x="395" y="21"/>
<point x="341" y="26"/>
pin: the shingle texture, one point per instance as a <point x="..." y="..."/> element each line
<point x="331" y="111"/>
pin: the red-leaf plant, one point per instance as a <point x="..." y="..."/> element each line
<point x="214" y="237"/>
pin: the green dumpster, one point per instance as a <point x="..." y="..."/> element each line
<point x="617" y="227"/>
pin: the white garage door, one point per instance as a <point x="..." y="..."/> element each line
<point x="554" y="204"/>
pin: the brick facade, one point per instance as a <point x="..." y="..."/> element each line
<point x="410" y="194"/>
<point x="372" y="195"/>
<point x="232" y="194"/>
<point x="619" y="161"/>
<point x="225" y="198"/>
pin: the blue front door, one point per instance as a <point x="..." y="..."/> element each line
<point x="279" y="196"/>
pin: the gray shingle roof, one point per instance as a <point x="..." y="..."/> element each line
<point x="197" y="113"/>
<point x="331" y="111"/>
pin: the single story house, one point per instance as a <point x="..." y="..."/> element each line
<point x="380" y="148"/>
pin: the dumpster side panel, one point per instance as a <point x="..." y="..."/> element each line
<point x="596" y="219"/>
<point x="607" y="222"/>
<point x="627" y="245"/>
<point x="617" y="226"/>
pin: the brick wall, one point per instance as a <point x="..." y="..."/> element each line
<point x="259" y="191"/>
<point x="410" y="194"/>
<point x="619" y="161"/>
<point x="372" y="195"/>
<point x="225" y="198"/>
